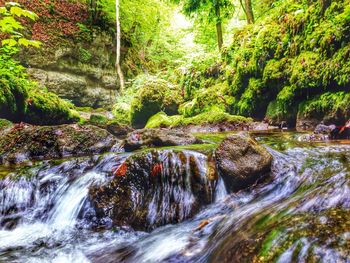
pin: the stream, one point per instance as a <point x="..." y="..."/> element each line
<point x="300" y="215"/>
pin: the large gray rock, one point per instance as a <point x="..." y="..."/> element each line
<point x="83" y="72"/>
<point x="158" y="138"/>
<point x="24" y="142"/>
<point x="242" y="161"/>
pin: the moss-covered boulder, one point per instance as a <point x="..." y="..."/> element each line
<point x="157" y="138"/>
<point x="22" y="101"/>
<point x="13" y="96"/>
<point x="242" y="161"/>
<point x="277" y="112"/>
<point x="46" y="108"/>
<point x="207" y="98"/>
<point x="24" y="142"/>
<point x="330" y="108"/>
<point x="151" y="189"/>
<point x="213" y="120"/>
<point x="152" y="97"/>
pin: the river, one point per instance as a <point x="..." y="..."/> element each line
<point x="300" y="215"/>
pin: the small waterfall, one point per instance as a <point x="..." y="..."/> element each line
<point x="301" y="213"/>
<point x="160" y="187"/>
<point x="70" y="199"/>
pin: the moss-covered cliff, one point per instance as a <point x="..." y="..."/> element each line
<point x="294" y="53"/>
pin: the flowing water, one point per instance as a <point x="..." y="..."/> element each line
<point x="300" y="215"/>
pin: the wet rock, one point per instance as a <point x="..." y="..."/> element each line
<point x="119" y="130"/>
<point x="158" y="138"/>
<point x="242" y="162"/>
<point x="155" y="188"/>
<point x="340" y="133"/>
<point x="313" y="137"/>
<point x="23" y="143"/>
<point x="324" y="129"/>
<point x="304" y="124"/>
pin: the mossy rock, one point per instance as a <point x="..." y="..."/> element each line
<point x="13" y="95"/>
<point x="277" y="112"/>
<point x="152" y="97"/>
<point x="213" y="116"/>
<point x="121" y="113"/>
<point x="206" y="98"/>
<point x="330" y="107"/>
<point x="99" y="120"/>
<point x="46" y="108"/>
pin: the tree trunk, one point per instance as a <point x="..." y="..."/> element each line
<point x="218" y="27"/>
<point x="118" y="47"/>
<point x="249" y="11"/>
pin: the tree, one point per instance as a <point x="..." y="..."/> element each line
<point x="213" y="10"/>
<point x="248" y="10"/>
<point x="118" y="47"/>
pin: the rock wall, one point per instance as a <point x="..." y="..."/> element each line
<point x="82" y="73"/>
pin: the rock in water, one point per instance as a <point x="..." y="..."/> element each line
<point x="324" y="129"/>
<point x="158" y="138"/>
<point x="242" y="161"/>
<point x="24" y="143"/>
<point x="155" y="188"/>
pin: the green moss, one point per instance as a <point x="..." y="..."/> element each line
<point x="5" y="124"/>
<point x="152" y="97"/>
<point x="46" y="108"/>
<point x="215" y="115"/>
<point x="13" y="95"/>
<point x="277" y="112"/>
<point x="253" y="100"/>
<point x="98" y="120"/>
<point x="121" y="112"/>
<point x="330" y="107"/>
<point x="205" y="99"/>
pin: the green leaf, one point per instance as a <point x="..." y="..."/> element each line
<point x="9" y="42"/>
<point x="3" y="10"/>
<point x="26" y="42"/>
<point x="17" y="11"/>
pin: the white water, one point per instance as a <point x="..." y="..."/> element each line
<point x="50" y="230"/>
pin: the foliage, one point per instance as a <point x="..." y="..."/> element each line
<point x="146" y="31"/>
<point x="10" y="25"/>
<point x="333" y="106"/>
<point x="20" y="98"/>
<point x="294" y="52"/>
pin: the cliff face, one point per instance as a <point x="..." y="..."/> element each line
<point x="76" y="60"/>
<point x="82" y="72"/>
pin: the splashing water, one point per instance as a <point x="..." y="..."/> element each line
<point x="300" y="215"/>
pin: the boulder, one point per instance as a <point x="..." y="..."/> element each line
<point x="118" y="129"/>
<point x="154" y="188"/>
<point x="24" y="142"/>
<point x="152" y="97"/>
<point x="242" y="161"/>
<point x="158" y="138"/>
<point x="324" y="129"/>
